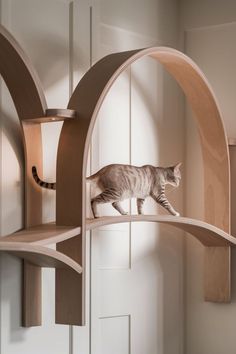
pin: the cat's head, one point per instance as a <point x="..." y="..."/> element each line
<point x="173" y="175"/>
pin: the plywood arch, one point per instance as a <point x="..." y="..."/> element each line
<point x="29" y="100"/>
<point x="87" y="100"/>
<point x="72" y="160"/>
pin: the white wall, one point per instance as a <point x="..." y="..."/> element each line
<point x="56" y="36"/>
<point x="209" y="29"/>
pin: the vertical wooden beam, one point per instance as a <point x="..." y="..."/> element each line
<point x="69" y="299"/>
<point x="32" y="277"/>
<point x="218" y="260"/>
<point x="70" y="285"/>
<point x="31" y="299"/>
<point x="217" y="275"/>
<point x="232" y="154"/>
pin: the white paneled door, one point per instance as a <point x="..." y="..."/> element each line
<point x="136" y="269"/>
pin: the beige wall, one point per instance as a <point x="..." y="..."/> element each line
<point x="209" y="32"/>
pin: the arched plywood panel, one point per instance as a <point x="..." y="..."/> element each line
<point x="76" y="137"/>
<point x="27" y="94"/>
<point x="20" y="78"/>
<point x="87" y="100"/>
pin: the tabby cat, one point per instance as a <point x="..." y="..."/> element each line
<point x="118" y="182"/>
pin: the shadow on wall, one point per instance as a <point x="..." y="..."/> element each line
<point x="52" y="68"/>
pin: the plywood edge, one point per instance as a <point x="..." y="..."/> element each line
<point x="53" y="115"/>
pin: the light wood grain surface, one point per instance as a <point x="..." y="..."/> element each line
<point x="207" y="234"/>
<point x="217" y="274"/>
<point x="39" y="255"/>
<point x="45" y="234"/>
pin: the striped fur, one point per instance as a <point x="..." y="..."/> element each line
<point x="40" y="182"/>
<point x="118" y="182"/>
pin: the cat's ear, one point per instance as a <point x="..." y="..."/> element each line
<point x="177" y="166"/>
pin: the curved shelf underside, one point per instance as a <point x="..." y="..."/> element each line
<point x="207" y="234"/>
<point x="29" y="244"/>
<point x="39" y="255"/>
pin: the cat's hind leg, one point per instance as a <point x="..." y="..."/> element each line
<point x="107" y="196"/>
<point x="140" y="202"/>
<point x="119" y="208"/>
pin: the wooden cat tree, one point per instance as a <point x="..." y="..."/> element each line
<point x="69" y="231"/>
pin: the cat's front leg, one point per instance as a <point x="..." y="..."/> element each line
<point x="163" y="201"/>
<point x="94" y="208"/>
<point x="140" y="202"/>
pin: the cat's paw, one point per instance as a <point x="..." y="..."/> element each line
<point x="125" y="213"/>
<point x="177" y="214"/>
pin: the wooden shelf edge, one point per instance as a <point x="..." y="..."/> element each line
<point x="40" y="256"/>
<point x="46" y="234"/>
<point x="53" y="115"/>
<point x="207" y="234"/>
<point x="42" y="235"/>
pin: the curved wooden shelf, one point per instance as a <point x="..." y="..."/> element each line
<point x="40" y="256"/>
<point x="28" y="244"/>
<point x="54" y="115"/>
<point x="47" y="234"/>
<point x="42" y="235"/>
<point x="207" y="234"/>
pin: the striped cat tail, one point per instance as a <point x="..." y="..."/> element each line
<point x="40" y="182"/>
